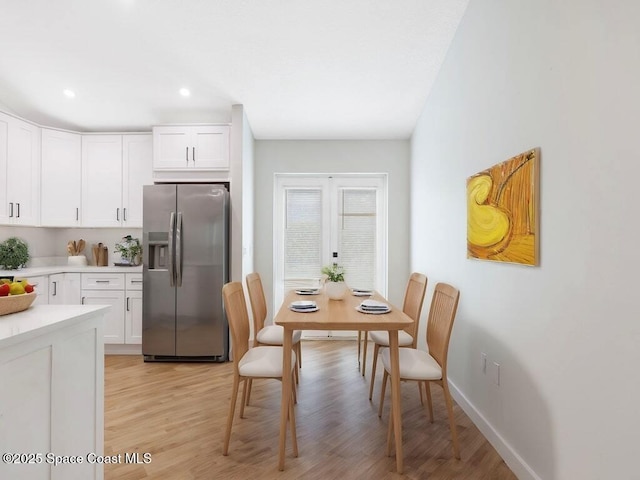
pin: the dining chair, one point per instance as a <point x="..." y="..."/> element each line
<point x="426" y="367"/>
<point x="268" y="335"/>
<point x="412" y="306"/>
<point x="250" y="363"/>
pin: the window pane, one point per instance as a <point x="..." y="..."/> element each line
<point x="303" y="240"/>
<point x="357" y="236"/>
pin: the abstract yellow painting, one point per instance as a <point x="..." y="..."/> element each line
<point x="502" y="211"/>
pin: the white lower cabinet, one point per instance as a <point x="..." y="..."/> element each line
<point x="52" y="393"/>
<point x="114" y="318"/>
<point x="64" y="289"/>
<point x="123" y="323"/>
<point x="41" y="287"/>
<point x="133" y="309"/>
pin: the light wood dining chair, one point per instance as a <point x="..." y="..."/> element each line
<point x="267" y="334"/>
<point x="250" y="363"/>
<point x="426" y="367"/>
<point x="412" y="306"/>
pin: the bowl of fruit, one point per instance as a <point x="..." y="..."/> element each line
<point x="15" y="296"/>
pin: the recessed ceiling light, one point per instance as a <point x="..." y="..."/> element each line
<point x="185" y="92"/>
<point x="69" y="93"/>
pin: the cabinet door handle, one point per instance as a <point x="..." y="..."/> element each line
<point x="18" y="215"/>
<point x="186" y="153"/>
<point x="128" y="305"/>
<point x="193" y="154"/>
<point x="136" y="281"/>
<point x="117" y="214"/>
<point x="124" y="214"/>
<point x="10" y="209"/>
<point x="102" y="281"/>
<point x="82" y="301"/>
<point x="55" y="289"/>
<point x="77" y="214"/>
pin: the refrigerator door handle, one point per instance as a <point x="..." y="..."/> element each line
<point x="179" y="250"/>
<point x="172" y="226"/>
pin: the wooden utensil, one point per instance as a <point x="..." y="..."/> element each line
<point x="105" y="256"/>
<point x="81" y="244"/>
<point x="70" y="248"/>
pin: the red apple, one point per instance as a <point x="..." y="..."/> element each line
<point x="28" y="288"/>
<point x="4" y="289"/>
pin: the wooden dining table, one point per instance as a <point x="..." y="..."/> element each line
<point x="341" y="315"/>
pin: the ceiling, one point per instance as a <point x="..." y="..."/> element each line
<point x="306" y="69"/>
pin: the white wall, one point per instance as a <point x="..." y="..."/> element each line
<point x="241" y="171"/>
<point x="562" y="76"/>
<point x="317" y="156"/>
<point x="248" y="191"/>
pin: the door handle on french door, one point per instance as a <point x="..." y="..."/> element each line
<point x="179" y="250"/>
<point x="172" y="227"/>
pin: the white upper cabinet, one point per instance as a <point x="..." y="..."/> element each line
<point x="19" y="172"/>
<point x="60" y="200"/>
<point x="102" y="180"/>
<point x="137" y="156"/>
<point x="4" y="165"/>
<point x="114" y="169"/>
<point x="191" y="147"/>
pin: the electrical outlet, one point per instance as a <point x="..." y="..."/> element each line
<point x="496" y="373"/>
<point x="483" y="362"/>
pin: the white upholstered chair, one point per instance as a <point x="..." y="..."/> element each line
<point x="412" y="306"/>
<point x="426" y="367"/>
<point x="250" y="363"/>
<point x="267" y="335"/>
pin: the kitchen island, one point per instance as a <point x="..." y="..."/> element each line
<point x="52" y="392"/>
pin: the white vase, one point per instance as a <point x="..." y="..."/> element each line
<point x="77" y="260"/>
<point x="335" y="290"/>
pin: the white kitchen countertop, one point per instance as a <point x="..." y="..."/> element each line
<point x="36" y="271"/>
<point x="41" y="319"/>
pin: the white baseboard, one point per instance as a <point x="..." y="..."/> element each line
<point x="117" y="349"/>
<point x="515" y="462"/>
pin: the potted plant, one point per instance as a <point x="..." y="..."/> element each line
<point x="14" y="253"/>
<point x="335" y="287"/>
<point x="130" y="250"/>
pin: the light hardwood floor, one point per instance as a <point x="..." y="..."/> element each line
<point x="177" y="413"/>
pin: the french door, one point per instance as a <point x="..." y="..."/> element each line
<point x="325" y="219"/>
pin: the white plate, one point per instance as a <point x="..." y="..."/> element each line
<point x="303" y="310"/>
<point x="361" y="293"/>
<point x="308" y="291"/>
<point x="303" y="304"/>
<point x="374" y="304"/>
<point x="372" y="312"/>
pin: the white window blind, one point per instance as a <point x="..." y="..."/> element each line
<point x="302" y="237"/>
<point x="357" y="231"/>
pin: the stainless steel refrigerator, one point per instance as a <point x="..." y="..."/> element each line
<point x="185" y="264"/>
